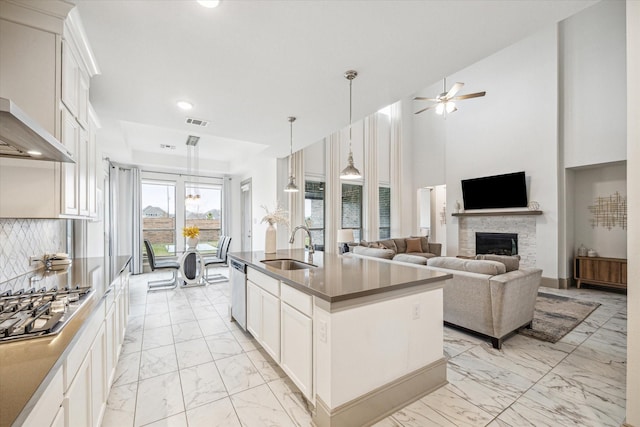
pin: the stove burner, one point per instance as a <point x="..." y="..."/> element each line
<point x="32" y="313"/>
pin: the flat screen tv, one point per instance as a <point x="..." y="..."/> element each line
<point x="498" y="191"/>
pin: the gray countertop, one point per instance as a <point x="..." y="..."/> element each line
<point x="25" y="365"/>
<point x="340" y="278"/>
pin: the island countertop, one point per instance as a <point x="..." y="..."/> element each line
<point x="339" y="278"/>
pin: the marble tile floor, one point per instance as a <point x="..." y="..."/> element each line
<point x="184" y="364"/>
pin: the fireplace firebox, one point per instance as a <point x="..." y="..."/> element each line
<point x="497" y="243"/>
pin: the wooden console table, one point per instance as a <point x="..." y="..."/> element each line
<point x="611" y="272"/>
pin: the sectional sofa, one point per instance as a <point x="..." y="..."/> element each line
<point x="490" y="296"/>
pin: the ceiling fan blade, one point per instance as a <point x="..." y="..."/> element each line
<point x="454" y="89"/>
<point x="421" y="98"/>
<point x="425" y="109"/>
<point x="471" y="95"/>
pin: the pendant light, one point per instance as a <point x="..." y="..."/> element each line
<point x="350" y="172"/>
<point x="192" y="159"/>
<point x="291" y="186"/>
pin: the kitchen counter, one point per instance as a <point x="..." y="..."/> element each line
<point x="339" y="278"/>
<point x="359" y="337"/>
<point x="26" y="366"/>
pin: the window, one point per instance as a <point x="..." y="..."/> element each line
<point x="352" y="209"/>
<point x="384" y="202"/>
<point x="159" y="216"/>
<point x="205" y="214"/>
<point x="314" y="211"/>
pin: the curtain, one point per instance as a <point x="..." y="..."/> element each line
<point x="371" y="202"/>
<point x="396" y="182"/>
<point x="125" y="227"/>
<point x="296" y="200"/>
<point x="226" y="206"/>
<point x="333" y="193"/>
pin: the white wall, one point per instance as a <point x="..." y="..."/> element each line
<point x="589" y="184"/>
<point x="263" y="173"/>
<point x="429" y="140"/>
<point x="633" y="189"/>
<point x="513" y="128"/>
<point x="593" y="83"/>
<point x="314" y="159"/>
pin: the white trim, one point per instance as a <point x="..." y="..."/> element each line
<point x="74" y="32"/>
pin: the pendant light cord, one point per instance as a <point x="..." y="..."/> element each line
<point x="350" y="111"/>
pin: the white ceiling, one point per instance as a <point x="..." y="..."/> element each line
<point x="248" y="65"/>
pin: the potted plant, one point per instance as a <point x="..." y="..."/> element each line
<point x="191" y="233"/>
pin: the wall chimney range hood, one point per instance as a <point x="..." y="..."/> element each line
<point x="21" y="137"/>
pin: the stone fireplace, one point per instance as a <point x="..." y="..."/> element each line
<point x="523" y="226"/>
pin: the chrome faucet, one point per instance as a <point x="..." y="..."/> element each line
<point x="304" y="227"/>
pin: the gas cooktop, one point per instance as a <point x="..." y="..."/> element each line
<point x="35" y="313"/>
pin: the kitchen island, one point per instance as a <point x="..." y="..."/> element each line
<point x="360" y="338"/>
<point x="37" y="374"/>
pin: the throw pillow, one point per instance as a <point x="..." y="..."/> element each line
<point x="510" y="262"/>
<point x="377" y="245"/>
<point x="414" y="245"/>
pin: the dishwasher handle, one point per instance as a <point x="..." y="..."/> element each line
<point x="236" y="265"/>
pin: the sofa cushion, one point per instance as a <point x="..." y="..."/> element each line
<point x="389" y="244"/>
<point x="412" y="258"/>
<point x="423" y="254"/>
<point x="510" y="262"/>
<point x="377" y="245"/>
<point x="401" y="246"/>
<point x="413" y="245"/>
<point x="374" y="252"/>
<point x="490" y="268"/>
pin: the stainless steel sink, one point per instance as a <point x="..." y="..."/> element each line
<point x="288" y="264"/>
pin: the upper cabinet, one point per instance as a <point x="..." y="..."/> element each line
<point x="46" y="68"/>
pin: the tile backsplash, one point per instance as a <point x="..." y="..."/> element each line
<point x="22" y="238"/>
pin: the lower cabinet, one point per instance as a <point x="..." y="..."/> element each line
<point x="280" y="319"/>
<point x="58" y="421"/>
<point x="263" y="319"/>
<point x="77" y="400"/>
<point x="99" y="389"/>
<point x="296" y="357"/>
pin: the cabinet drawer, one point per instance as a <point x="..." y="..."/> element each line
<point x="267" y="283"/>
<point x="296" y="299"/>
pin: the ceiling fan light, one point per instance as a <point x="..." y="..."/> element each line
<point x="451" y="107"/>
<point x="440" y="108"/>
<point x="291" y="186"/>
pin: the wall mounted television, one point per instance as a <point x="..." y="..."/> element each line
<point x="498" y="191"/>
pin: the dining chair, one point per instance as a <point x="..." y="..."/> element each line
<point x="161" y="265"/>
<point x="219" y="259"/>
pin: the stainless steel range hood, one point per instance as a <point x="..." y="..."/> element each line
<point x="21" y="137"/>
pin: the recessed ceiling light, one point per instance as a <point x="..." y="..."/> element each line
<point x="34" y="153"/>
<point x="184" y="105"/>
<point x="209" y="3"/>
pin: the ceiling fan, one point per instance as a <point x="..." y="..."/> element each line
<point x="444" y="103"/>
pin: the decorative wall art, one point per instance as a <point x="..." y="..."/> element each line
<point x="609" y="211"/>
<point x="443" y="215"/>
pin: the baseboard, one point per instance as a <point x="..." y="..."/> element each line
<point x="376" y="405"/>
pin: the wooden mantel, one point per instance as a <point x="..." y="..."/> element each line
<point x="501" y="213"/>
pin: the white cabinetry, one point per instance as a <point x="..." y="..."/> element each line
<point x="280" y="319"/>
<point x="263" y="311"/>
<point x="48" y="77"/>
<point x="297" y="348"/>
<point x="297" y="338"/>
<point x="77" y="400"/>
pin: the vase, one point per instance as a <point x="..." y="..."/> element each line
<point x="270" y="240"/>
<point x="192" y="242"/>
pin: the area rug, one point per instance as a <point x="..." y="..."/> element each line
<point x="555" y="316"/>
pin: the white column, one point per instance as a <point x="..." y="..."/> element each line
<point x="396" y="170"/>
<point x="371" y="201"/>
<point x="333" y="193"/>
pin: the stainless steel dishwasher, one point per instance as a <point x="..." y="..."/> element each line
<point x="238" y="280"/>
